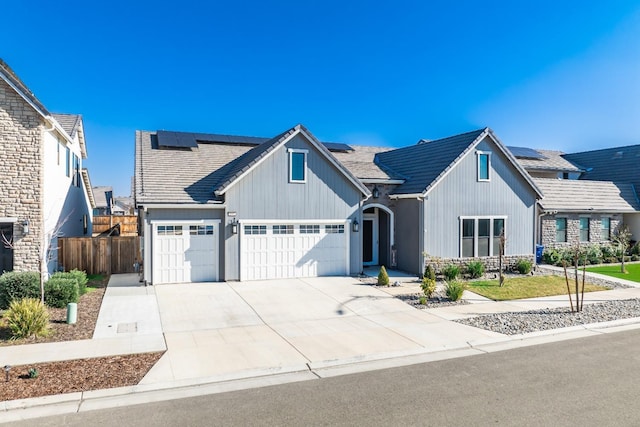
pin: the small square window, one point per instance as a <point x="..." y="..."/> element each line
<point x="484" y="164"/>
<point x="255" y="229"/>
<point x="283" y="229"/>
<point x="309" y="229"/>
<point x="334" y="229"/>
<point x="297" y="165"/>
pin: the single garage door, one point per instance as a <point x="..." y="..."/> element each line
<point x="278" y="251"/>
<point x="185" y="253"/>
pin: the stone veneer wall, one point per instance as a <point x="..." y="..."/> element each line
<point x="548" y="225"/>
<point x="21" y="174"/>
<point x="490" y="263"/>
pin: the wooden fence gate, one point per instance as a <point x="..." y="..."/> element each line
<point x="99" y="255"/>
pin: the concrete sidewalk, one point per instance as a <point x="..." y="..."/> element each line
<point x="226" y="336"/>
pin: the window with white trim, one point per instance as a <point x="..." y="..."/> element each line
<point x="334" y="228"/>
<point x="484" y="165"/>
<point x="480" y="236"/>
<point x="309" y="229"/>
<point x="283" y="229"/>
<point x="255" y="229"/>
<point x="297" y="165"/>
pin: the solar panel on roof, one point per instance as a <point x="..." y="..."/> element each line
<point x="337" y="146"/>
<point x="526" y="153"/>
<point x="176" y="139"/>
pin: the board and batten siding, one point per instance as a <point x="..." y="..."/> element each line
<point x="266" y="193"/>
<point x="460" y="193"/>
<point x="180" y="214"/>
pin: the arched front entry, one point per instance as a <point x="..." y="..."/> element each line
<point x="377" y="235"/>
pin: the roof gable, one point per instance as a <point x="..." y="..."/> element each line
<point x="428" y="162"/>
<point x="12" y="79"/>
<point x="252" y="158"/>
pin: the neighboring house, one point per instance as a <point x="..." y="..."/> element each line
<point x="218" y="207"/>
<point x="44" y="190"/>
<point x="104" y="200"/>
<point x="214" y="207"/>
<point x="583" y="204"/>
<point x="617" y="164"/>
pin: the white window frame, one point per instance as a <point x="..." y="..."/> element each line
<point x="479" y="155"/>
<point x="291" y="152"/>
<point x="491" y="219"/>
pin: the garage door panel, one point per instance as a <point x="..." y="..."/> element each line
<point x="272" y="255"/>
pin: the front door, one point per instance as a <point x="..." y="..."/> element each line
<point x="370" y="239"/>
<point x="6" y="251"/>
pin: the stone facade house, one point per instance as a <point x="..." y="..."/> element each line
<point x="44" y="190"/>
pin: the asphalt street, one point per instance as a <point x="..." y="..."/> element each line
<point x="587" y="381"/>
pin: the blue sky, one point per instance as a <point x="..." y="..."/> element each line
<point x="546" y="74"/>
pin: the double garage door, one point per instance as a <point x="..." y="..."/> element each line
<point x="285" y="250"/>
<point x="184" y="252"/>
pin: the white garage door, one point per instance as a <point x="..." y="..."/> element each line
<point x="185" y="253"/>
<point x="278" y="251"/>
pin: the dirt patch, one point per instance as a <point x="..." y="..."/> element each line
<point x="73" y="375"/>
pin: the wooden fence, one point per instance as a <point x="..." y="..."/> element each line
<point x="128" y="224"/>
<point x="99" y="255"/>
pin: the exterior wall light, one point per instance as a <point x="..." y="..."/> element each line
<point x="355" y="226"/>
<point x="25" y="227"/>
<point x="234" y="226"/>
<point x="375" y="192"/>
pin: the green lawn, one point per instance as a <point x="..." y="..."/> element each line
<point x="613" y="270"/>
<point x="526" y="287"/>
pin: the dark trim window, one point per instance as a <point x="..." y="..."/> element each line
<point x="468" y="233"/>
<point x="605" y="225"/>
<point x="484" y="165"/>
<point x="297" y="165"/>
<point x="561" y="230"/>
<point x="584" y="229"/>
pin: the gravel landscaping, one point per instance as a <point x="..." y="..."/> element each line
<point x="513" y="323"/>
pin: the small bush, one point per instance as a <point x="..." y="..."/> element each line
<point x="594" y="254"/>
<point x="423" y="300"/>
<point x="77" y="275"/>
<point x="60" y="291"/>
<point x="455" y="289"/>
<point x="33" y="373"/>
<point x="451" y="272"/>
<point x="635" y="257"/>
<point x="475" y="269"/>
<point x="383" y="277"/>
<point x="16" y="285"/>
<point x="551" y="256"/>
<point x="429" y="272"/>
<point x="27" y="317"/>
<point x="635" y="250"/>
<point x="524" y="266"/>
<point x="428" y="286"/>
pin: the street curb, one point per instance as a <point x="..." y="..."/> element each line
<point x="22" y="409"/>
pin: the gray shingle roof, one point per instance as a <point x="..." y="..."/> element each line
<point x="360" y="162"/>
<point x="619" y="164"/>
<point x="439" y="155"/>
<point x="200" y="175"/>
<point x="100" y="196"/>
<point x="69" y="122"/>
<point x="569" y="195"/>
<point x="553" y="161"/>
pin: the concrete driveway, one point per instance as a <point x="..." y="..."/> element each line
<point x="246" y="329"/>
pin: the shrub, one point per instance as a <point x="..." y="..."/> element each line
<point x="383" y="277"/>
<point x="429" y="272"/>
<point x="635" y="250"/>
<point x="428" y="286"/>
<point x="635" y="257"/>
<point x="27" y="317"/>
<point x="423" y="300"/>
<point x="524" y="266"/>
<point x="16" y="285"/>
<point x="551" y="256"/>
<point x="475" y="269"/>
<point x="33" y="373"/>
<point x="77" y="275"/>
<point x="594" y="254"/>
<point x="60" y="291"/>
<point x="451" y="272"/>
<point x="455" y="289"/>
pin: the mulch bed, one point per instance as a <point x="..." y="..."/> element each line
<point x="73" y="375"/>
